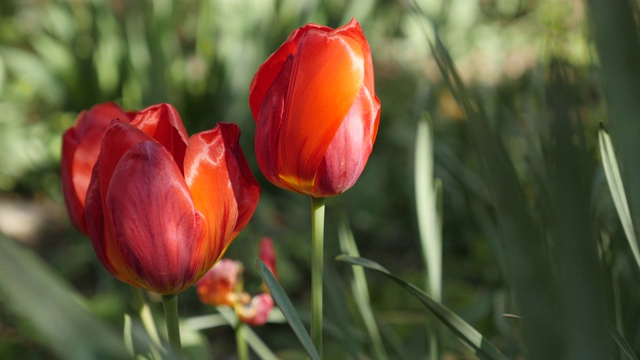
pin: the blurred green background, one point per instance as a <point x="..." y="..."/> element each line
<point x="528" y="65"/>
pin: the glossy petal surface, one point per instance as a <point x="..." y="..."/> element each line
<point x="307" y="100"/>
<point x="163" y="123"/>
<point x="160" y="243"/>
<point x="221" y="185"/>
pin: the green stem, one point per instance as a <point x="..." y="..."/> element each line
<point x="241" y="343"/>
<point x="170" y="303"/>
<point x="317" y="240"/>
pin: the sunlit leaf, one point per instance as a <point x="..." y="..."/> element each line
<point x="465" y="332"/>
<point x="285" y="305"/>
<point x="612" y="172"/>
<point x="361" y="291"/>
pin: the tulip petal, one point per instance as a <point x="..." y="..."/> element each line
<point x="269" y="70"/>
<point x="350" y="148"/>
<point x="268" y="128"/>
<point x="80" y="149"/>
<point x="118" y="139"/>
<point x="156" y="227"/>
<point x="221" y="185"/>
<point x="73" y="197"/>
<point x="163" y="123"/>
<point x="328" y="74"/>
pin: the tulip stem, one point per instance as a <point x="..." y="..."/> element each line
<point x="170" y="303"/>
<point x="241" y="344"/>
<point x="317" y="258"/>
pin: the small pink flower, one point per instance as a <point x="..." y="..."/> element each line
<point x="257" y="311"/>
<point x="218" y="285"/>
<point x="222" y="286"/>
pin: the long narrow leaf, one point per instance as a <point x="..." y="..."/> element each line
<point x="465" y="332"/>
<point x="63" y="321"/>
<point x="612" y="172"/>
<point x="528" y="267"/>
<point x="285" y="305"/>
<point x="427" y="209"/>
<point x="614" y="31"/>
<point x="622" y="343"/>
<point x="361" y="292"/>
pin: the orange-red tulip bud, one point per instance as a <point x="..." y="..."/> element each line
<point x="316" y="110"/>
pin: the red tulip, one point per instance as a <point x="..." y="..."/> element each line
<point x="161" y="208"/>
<point x="316" y="110"/>
<point x="80" y="148"/>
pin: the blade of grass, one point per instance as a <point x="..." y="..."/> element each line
<point x="465" y="332"/>
<point x="65" y="324"/>
<point x="612" y="173"/>
<point x="429" y="223"/>
<point x="361" y="291"/>
<point x="573" y="244"/>
<point x="614" y="31"/>
<point x="529" y="272"/>
<point x="285" y="305"/>
<point x="427" y="208"/>
<point x="128" y="335"/>
<point x="622" y="343"/>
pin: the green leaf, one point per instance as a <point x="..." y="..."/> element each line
<point x="614" y="31"/>
<point x="482" y="348"/>
<point x="285" y="305"/>
<point x="622" y="343"/>
<point x="32" y="290"/>
<point x="528" y="267"/>
<point x="429" y="222"/>
<point x="612" y="172"/>
<point x="361" y="292"/>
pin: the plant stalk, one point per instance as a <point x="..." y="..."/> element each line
<point x="317" y="257"/>
<point x="170" y="303"/>
<point x="241" y="343"/>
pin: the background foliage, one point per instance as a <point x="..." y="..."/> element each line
<point x="528" y="225"/>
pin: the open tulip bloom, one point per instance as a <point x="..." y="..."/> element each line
<point x="316" y="113"/>
<point x="162" y="208"/>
